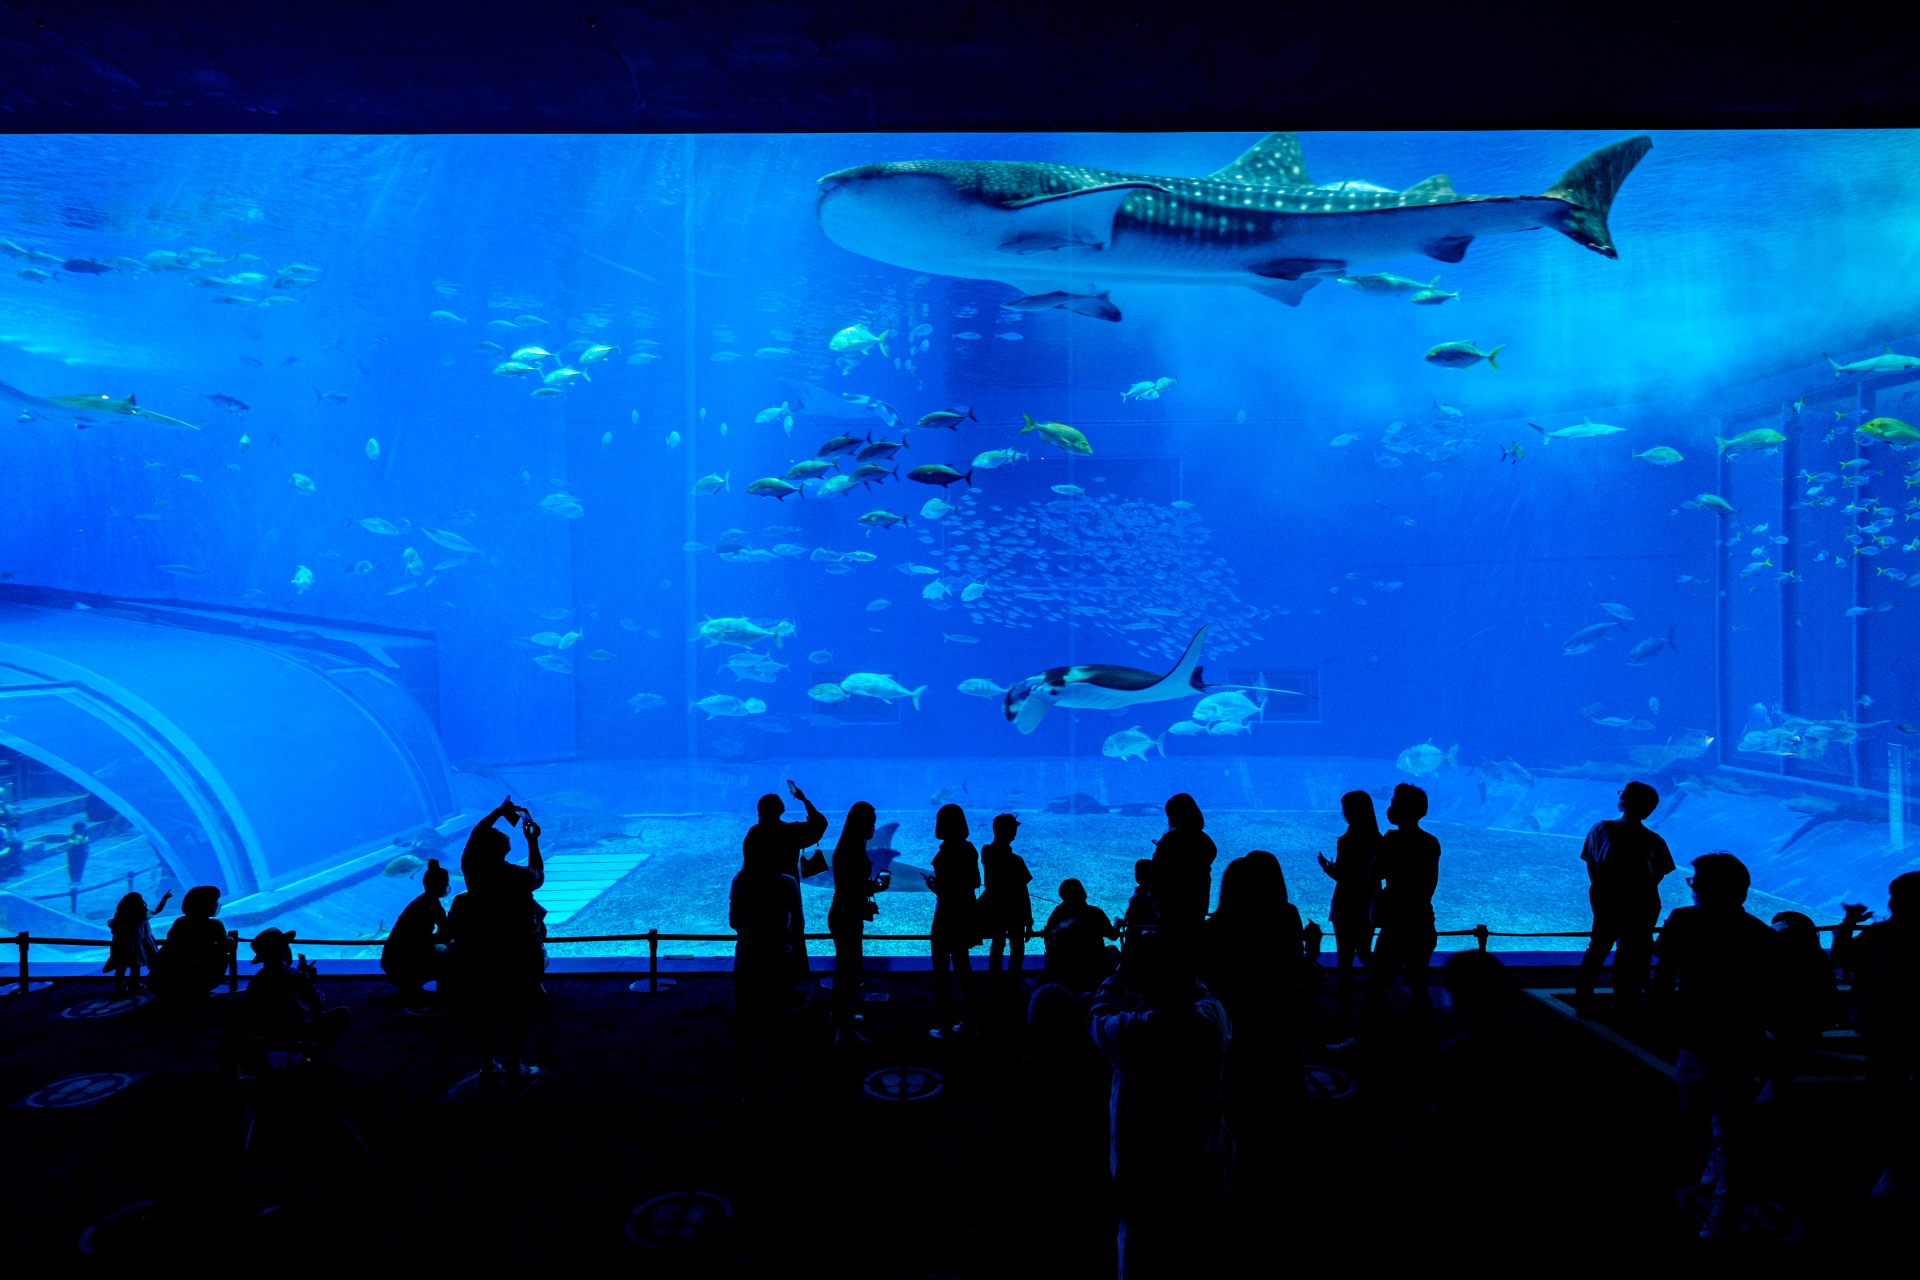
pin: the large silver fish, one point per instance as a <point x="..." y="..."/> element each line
<point x="1066" y="235"/>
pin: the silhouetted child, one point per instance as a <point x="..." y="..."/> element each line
<point x="1625" y="864"/>
<point x="133" y="945"/>
<point x="1006" y="908"/>
<point x="416" y="949"/>
<point x="1141" y="914"/>
<point x="194" y="957"/>
<point x="1407" y="869"/>
<point x="1076" y="936"/>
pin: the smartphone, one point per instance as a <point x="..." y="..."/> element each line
<point x="793" y="789"/>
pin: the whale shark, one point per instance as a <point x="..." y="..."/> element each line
<point x="1068" y="235"/>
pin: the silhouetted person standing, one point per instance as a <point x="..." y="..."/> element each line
<point x="1006" y="908"/>
<point x="1625" y="864"/>
<point x="416" y="949"/>
<point x="854" y="887"/>
<point x="1884" y="960"/>
<point x="1183" y="866"/>
<point x="499" y="932"/>
<point x="1076" y="938"/>
<point x="763" y="909"/>
<point x="776" y="845"/>
<point x="956" y="919"/>
<point x="1171" y="1154"/>
<point x="1252" y="957"/>
<point x="1352" y="874"/>
<point x="1407" y="870"/>
<point x="1724" y="963"/>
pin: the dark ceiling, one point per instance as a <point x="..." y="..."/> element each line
<point x="837" y="65"/>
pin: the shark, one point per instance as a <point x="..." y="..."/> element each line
<point x="1067" y="235"/>
<point x="84" y="411"/>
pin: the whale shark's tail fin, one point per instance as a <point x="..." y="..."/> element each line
<point x="1589" y="188"/>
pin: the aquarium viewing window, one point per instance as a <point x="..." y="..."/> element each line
<point x="364" y="480"/>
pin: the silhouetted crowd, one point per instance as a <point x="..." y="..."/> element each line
<point x="1174" y="1037"/>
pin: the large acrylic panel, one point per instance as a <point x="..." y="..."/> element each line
<point x="527" y="396"/>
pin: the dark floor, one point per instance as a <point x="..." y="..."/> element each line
<point x="1570" y="1149"/>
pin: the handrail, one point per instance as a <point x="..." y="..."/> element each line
<point x="653" y="938"/>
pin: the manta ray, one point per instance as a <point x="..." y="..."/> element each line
<point x="1066" y="235"/>
<point x="1099" y="687"/>
<point x="907" y="878"/>
<point x="84" y="411"/>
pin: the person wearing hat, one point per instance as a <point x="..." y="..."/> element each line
<point x="278" y="1008"/>
<point x="1006" y="909"/>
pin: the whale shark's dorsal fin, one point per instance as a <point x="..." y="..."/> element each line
<point x="1274" y="161"/>
<point x="1438" y="185"/>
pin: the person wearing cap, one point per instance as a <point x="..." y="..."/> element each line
<point x="1006" y="908"/>
<point x="278" y="1008"/>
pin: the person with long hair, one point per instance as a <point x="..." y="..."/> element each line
<point x="194" y="957"/>
<point x="133" y="944"/>
<point x="1183" y="866"/>
<point x="1353" y="885"/>
<point x="854" y="887"/>
<point x="956" y="925"/>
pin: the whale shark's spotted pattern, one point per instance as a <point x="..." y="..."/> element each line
<point x="1260" y="222"/>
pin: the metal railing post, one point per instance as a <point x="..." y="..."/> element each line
<point x="233" y="961"/>
<point x="653" y="962"/>
<point x="21" y="940"/>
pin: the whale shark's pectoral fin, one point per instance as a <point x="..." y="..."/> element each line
<point x="1447" y="248"/>
<point x="1438" y="185"/>
<point x="1294" y="268"/>
<point x="1287" y="291"/>
<point x="1080" y="219"/>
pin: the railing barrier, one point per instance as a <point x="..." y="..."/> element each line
<point x="1480" y="933"/>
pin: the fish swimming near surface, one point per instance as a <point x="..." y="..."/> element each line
<point x="1260" y="222"/>
<point x="1885" y="362"/>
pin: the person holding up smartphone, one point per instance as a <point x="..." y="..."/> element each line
<point x="774" y="846"/>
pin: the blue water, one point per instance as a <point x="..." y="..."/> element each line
<point x="1370" y="554"/>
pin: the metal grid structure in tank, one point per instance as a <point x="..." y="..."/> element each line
<point x="1798" y="650"/>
